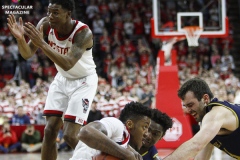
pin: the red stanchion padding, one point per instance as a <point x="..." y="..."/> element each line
<point x="167" y="101"/>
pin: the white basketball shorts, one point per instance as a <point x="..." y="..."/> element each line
<point x="71" y="98"/>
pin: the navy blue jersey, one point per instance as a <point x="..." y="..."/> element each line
<point x="228" y="143"/>
<point x="150" y="154"/>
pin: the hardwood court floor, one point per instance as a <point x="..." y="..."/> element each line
<point x="33" y="156"/>
<point x="66" y="155"/>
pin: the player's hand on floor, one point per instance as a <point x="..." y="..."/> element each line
<point x="16" y="29"/>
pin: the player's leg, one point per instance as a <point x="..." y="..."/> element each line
<point x="56" y="104"/>
<point x="78" y="107"/>
<point x="49" y="149"/>
<point x="70" y="133"/>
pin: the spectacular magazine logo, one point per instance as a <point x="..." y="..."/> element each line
<point x="16" y="8"/>
<point x="15" y="1"/>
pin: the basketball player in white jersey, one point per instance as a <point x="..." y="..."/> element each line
<point x="115" y="136"/>
<point x="69" y="45"/>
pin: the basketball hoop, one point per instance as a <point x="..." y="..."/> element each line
<point x="192" y="33"/>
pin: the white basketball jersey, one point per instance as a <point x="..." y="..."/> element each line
<point x="85" y="66"/>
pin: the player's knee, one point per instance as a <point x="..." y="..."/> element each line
<point x="50" y="133"/>
<point x="69" y="138"/>
<point x="82" y="133"/>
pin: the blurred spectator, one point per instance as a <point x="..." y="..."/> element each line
<point x="61" y="143"/>
<point x="206" y="63"/>
<point x="94" y="113"/>
<point x="2" y="48"/>
<point x="3" y="119"/>
<point x="13" y="48"/>
<point x="237" y="97"/>
<point x="227" y="61"/>
<point x="34" y="65"/>
<point x="230" y="97"/>
<point x="124" y="99"/>
<point x="20" y="118"/>
<point x="39" y="118"/>
<point x="118" y="23"/>
<point x="113" y="6"/>
<point x="127" y="48"/>
<point x="147" y="28"/>
<point x="214" y="57"/>
<point x="8" y="139"/>
<point x="98" y="25"/>
<point x="109" y="107"/>
<point x="202" y="50"/>
<point x="8" y="62"/>
<point x="31" y="139"/>
<point x="105" y="44"/>
<point x="128" y="27"/>
<point x="138" y="24"/>
<point x="147" y="96"/>
<point x="92" y="10"/>
<point x="145" y="56"/>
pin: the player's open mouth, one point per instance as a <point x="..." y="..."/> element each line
<point x="194" y="115"/>
<point x="144" y="141"/>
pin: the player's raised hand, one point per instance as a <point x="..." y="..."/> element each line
<point x="36" y="35"/>
<point x="16" y="29"/>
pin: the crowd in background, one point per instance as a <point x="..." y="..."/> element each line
<point x="125" y="56"/>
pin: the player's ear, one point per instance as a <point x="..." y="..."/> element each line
<point x="205" y="99"/>
<point x="69" y="13"/>
<point x="129" y="124"/>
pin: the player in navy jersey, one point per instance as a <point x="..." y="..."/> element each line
<point x="160" y="123"/>
<point x="219" y="123"/>
<point x="69" y="45"/>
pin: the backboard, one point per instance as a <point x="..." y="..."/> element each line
<point x="171" y="16"/>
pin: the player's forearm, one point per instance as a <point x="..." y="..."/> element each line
<point x="186" y="151"/>
<point x="100" y="141"/>
<point x="206" y="153"/>
<point x="24" y="49"/>
<point x="61" y="60"/>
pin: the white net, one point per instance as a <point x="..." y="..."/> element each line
<point x="192" y="34"/>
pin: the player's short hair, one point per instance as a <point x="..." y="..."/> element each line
<point x="66" y="4"/>
<point x="134" y="111"/>
<point x="163" y="119"/>
<point x="198" y="86"/>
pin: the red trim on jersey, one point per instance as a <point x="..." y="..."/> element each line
<point x="70" y="117"/>
<point x="65" y="37"/>
<point x="81" y="28"/>
<point x="46" y="112"/>
<point x="125" y="138"/>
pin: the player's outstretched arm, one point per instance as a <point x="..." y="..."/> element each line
<point x="95" y="136"/>
<point x="211" y="124"/>
<point x="17" y="29"/>
<point x="206" y="153"/>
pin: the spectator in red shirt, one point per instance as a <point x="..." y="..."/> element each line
<point x="138" y="25"/>
<point x="127" y="47"/>
<point x="105" y="43"/>
<point x="8" y="139"/>
<point x="144" y="56"/>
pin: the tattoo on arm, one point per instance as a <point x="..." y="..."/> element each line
<point x="82" y="41"/>
<point x="76" y="52"/>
